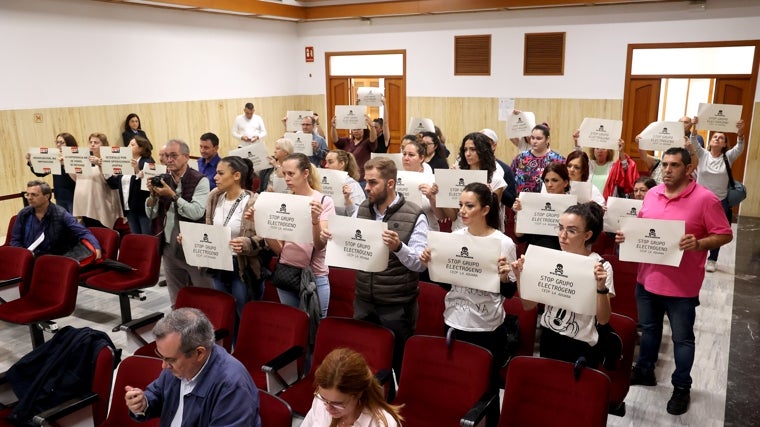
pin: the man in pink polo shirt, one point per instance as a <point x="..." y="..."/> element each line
<point x="663" y="289"/>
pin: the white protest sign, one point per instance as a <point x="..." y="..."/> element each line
<point x="301" y="142"/>
<point x="283" y="217"/>
<point x="45" y="160"/>
<point x="77" y="161"/>
<point x="149" y="171"/>
<point x="600" y="133"/>
<point x="506" y="108"/>
<point x="540" y="212"/>
<point x="418" y="125"/>
<point x="396" y="157"/>
<point x="408" y="183"/>
<point x="350" y="116"/>
<point x="719" y="117"/>
<point x="451" y="182"/>
<point x="295" y="118"/>
<point x="659" y="136"/>
<point x="116" y="160"/>
<point x="653" y="241"/>
<point x="332" y="185"/>
<point x="357" y="244"/>
<point x="206" y="245"/>
<point x="560" y="279"/>
<point x="464" y="260"/>
<point x="579" y="189"/>
<point x="519" y="125"/>
<point x="256" y="153"/>
<point x="371" y="96"/>
<point x="620" y="208"/>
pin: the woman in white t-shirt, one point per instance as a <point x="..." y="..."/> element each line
<point x="475" y="153"/>
<point x="474" y="315"/>
<point x="353" y="193"/>
<point x="413" y="159"/>
<point x="566" y="335"/>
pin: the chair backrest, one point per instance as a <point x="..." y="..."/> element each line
<point x="431" y="306"/>
<point x="439" y="383"/>
<point x="134" y="371"/>
<point x="604" y="244"/>
<point x="274" y="412"/>
<point x="218" y="306"/>
<point x="16" y="262"/>
<point x="54" y="285"/>
<point x="624" y="275"/>
<point x="528" y="320"/>
<point x="101" y="384"/>
<point x="542" y="391"/>
<point x="342" y="284"/>
<point x="621" y="376"/>
<point x="140" y="251"/>
<point x="266" y="330"/>
<point x="10" y="230"/>
<point x="374" y="342"/>
<point x="108" y="239"/>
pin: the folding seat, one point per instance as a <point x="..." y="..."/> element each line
<point x="274" y="412"/>
<point x="374" y="342"/>
<point x="139" y="251"/>
<point x="135" y="371"/>
<point x="621" y="375"/>
<point x="444" y="384"/>
<point x="15" y="269"/>
<point x="342" y="292"/>
<point x="624" y="274"/>
<point x="528" y="321"/>
<point x="543" y="392"/>
<point x="52" y="294"/>
<point x="267" y="331"/>
<point x="431" y="306"/>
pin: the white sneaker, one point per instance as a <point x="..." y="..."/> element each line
<point x="710" y="266"/>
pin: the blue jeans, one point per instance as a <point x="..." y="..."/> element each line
<point x="323" y="291"/>
<point x="681" y="313"/>
<point x="139" y="224"/>
<point x="230" y="282"/>
<point x="727" y="209"/>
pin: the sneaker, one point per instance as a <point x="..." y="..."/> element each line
<point x="710" y="266"/>
<point x="679" y="402"/>
<point x="162" y="283"/>
<point x="641" y="377"/>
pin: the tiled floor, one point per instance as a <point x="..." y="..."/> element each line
<point x="727" y="334"/>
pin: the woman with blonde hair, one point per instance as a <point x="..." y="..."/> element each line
<point x="348" y="394"/>
<point x="94" y="200"/>
<point x="353" y="193"/>
<point x="274" y="178"/>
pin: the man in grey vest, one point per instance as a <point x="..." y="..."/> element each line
<point x="389" y="298"/>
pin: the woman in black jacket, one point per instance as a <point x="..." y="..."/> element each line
<point x="131" y="195"/>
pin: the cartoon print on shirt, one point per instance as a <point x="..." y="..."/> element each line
<point x="561" y="320"/>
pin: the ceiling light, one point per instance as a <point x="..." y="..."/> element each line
<point x="227" y="12"/>
<point x="160" y="4"/>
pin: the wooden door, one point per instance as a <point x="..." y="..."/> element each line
<point x="642" y="99"/>
<point x="338" y="92"/>
<point x="395" y="102"/>
<point x="739" y="92"/>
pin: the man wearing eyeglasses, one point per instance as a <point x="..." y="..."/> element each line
<point x="201" y="384"/>
<point x="182" y="198"/>
<point x="310" y="125"/>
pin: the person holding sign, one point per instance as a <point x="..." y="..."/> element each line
<point x="352" y="191"/>
<point x="225" y="206"/>
<point x="472" y="315"/>
<point x="273" y="179"/>
<point x="63" y="184"/>
<point x="302" y="179"/>
<point x="361" y="144"/>
<point x="414" y="161"/>
<point x="566" y="335"/>
<point x="94" y="200"/>
<point x="309" y="126"/>
<point x="556" y="181"/>
<point x="529" y="165"/>
<point x="131" y="196"/>
<point x="578" y="171"/>
<point x="475" y="154"/>
<point x="712" y="171"/>
<point x="675" y="290"/>
<point x="435" y="151"/>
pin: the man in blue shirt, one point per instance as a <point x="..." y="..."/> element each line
<point x="209" y="157"/>
<point x="201" y="384"/>
<point x="46" y="228"/>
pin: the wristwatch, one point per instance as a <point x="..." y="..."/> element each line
<point x="603" y="292"/>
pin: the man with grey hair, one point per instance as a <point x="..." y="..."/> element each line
<point x="215" y="388"/>
<point x="46" y="228"/>
<point x="181" y="196"/>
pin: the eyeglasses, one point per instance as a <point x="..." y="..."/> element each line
<point x="171" y="360"/>
<point x="335" y="405"/>
<point x="172" y="156"/>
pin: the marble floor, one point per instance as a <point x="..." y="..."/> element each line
<point x="726" y="370"/>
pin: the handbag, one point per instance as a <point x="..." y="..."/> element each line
<point x="287" y="277"/>
<point x="737" y="192"/>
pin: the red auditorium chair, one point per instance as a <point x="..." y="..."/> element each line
<point x="109" y="248"/>
<point x="444" y="384"/>
<point x="268" y="330"/>
<point x="431" y="305"/>
<point x="543" y="392"/>
<point x="135" y="371"/>
<point x="374" y="342"/>
<point x="624" y="274"/>
<point x="10" y="230"/>
<point x="274" y="412"/>
<point x="139" y="251"/>
<point x="621" y="375"/>
<point x="342" y="292"/>
<point x="52" y="294"/>
<point x="16" y="268"/>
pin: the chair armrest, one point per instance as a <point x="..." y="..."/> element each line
<point x="142" y="322"/>
<point x="286" y="361"/>
<point x="481" y="408"/>
<point x="221" y="334"/>
<point x="283" y="359"/>
<point x="9" y="282"/>
<point x="385" y="377"/>
<point x="63" y="409"/>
